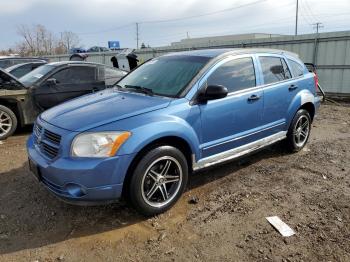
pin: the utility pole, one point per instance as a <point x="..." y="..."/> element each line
<point x="318" y="26"/>
<point x="137" y="35"/>
<point x="296" y="18"/>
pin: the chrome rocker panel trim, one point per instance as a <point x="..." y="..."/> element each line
<point x="238" y="152"/>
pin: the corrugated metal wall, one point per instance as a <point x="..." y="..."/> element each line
<point x="329" y="51"/>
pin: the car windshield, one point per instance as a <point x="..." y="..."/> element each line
<point x="36" y="74"/>
<point x="164" y="76"/>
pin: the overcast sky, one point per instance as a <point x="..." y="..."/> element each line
<point x="97" y="21"/>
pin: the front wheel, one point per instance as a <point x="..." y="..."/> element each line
<point x="299" y="131"/>
<point x="8" y="122"/>
<point x="158" y="181"/>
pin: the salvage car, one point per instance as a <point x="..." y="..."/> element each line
<point x="21" y="100"/>
<point x="173" y="115"/>
<point x="20" y="70"/>
<point x="7" y="61"/>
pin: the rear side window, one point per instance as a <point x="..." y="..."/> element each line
<point x="286" y="70"/>
<point x="274" y="69"/>
<point x="297" y="68"/>
<point x="235" y="75"/>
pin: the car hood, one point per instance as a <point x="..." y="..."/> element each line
<point x="101" y="108"/>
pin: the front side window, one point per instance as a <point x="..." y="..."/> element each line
<point x="235" y="75"/>
<point x="165" y="76"/>
<point x="75" y="75"/>
<point x="273" y="69"/>
<point x="297" y="69"/>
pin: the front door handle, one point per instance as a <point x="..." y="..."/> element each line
<point x="253" y="98"/>
<point x="292" y="87"/>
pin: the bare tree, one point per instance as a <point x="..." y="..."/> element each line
<point x="28" y="45"/>
<point x="69" y="40"/>
<point x="38" y="41"/>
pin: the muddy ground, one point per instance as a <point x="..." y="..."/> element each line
<point x="309" y="190"/>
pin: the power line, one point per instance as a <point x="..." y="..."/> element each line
<point x="173" y="19"/>
<point x="107" y="30"/>
<point x="305" y="14"/>
<point x="201" y="15"/>
<point x="309" y="9"/>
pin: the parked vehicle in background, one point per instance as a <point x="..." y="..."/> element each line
<point x="172" y="115"/>
<point x="77" y="50"/>
<point x="98" y="49"/>
<point x="78" y="57"/>
<point x="21" y="100"/>
<point x="7" y="61"/>
<point x="20" y="70"/>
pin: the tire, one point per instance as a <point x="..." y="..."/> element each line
<point x="164" y="166"/>
<point x="8" y="122"/>
<point x="299" y="131"/>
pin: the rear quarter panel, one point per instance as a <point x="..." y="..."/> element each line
<point x="306" y="94"/>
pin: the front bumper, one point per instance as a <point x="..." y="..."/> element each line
<point x="81" y="180"/>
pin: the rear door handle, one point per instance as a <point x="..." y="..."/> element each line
<point x="253" y="98"/>
<point x="292" y="87"/>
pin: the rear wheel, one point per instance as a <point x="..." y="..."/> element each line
<point x="8" y="122"/>
<point x="158" y="181"/>
<point x="299" y="131"/>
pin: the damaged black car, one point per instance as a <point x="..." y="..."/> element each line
<point x="23" y="99"/>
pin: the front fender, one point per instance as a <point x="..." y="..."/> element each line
<point x="300" y="99"/>
<point x="163" y="126"/>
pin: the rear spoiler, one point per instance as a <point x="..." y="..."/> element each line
<point x="312" y="69"/>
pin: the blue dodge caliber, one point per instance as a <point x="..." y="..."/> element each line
<point x="171" y="116"/>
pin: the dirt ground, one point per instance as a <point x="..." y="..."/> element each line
<point x="309" y="190"/>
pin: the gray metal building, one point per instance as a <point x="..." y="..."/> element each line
<point x="329" y="51"/>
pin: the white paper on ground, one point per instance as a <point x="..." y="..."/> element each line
<point x="282" y="227"/>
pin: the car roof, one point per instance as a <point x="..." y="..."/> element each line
<point x="60" y="63"/>
<point x="212" y="53"/>
<point x="20" y="57"/>
<point x="24" y="64"/>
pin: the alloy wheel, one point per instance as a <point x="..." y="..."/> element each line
<point x="161" y="182"/>
<point x="301" y="130"/>
<point x="5" y="123"/>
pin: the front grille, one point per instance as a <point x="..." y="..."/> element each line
<point x="52" y="137"/>
<point x="47" y="141"/>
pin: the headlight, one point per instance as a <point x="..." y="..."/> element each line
<point x="101" y="144"/>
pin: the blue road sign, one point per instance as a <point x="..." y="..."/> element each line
<point x="113" y="44"/>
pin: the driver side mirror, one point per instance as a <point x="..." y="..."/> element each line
<point x="51" y="81"/>
<point x="212" y="92"/>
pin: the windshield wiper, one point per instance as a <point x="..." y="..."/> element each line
<point x="140" y="89"/>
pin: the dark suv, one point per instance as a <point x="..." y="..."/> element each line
<point x="21" y="100"/>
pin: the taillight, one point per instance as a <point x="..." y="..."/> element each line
<point x="316" y="81"/>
